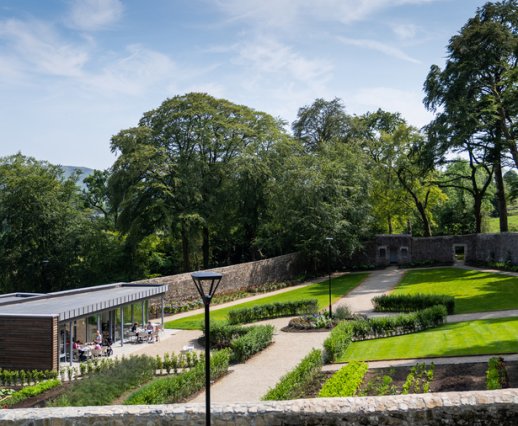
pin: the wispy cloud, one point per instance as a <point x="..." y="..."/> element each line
<point x="41" y="48"/>
<point x="405" y="31"/>
<point x="94" y="15"/>
<point x="379" y="47"/>
<point x="284" y="12"/>
<point x="133" y="73"/>
<point x="268" y="56"/>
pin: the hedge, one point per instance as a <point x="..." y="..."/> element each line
<point x="222" y="334"/>
<point x="412" y="302"/>
<point x="272" y="310"/>
<point x="293" y="384"/>
<point x="496" y="374"/>
<point x="346" y="381"/>
<point x="338" y="341"/>
<point x="255" y="340"/>
<point x="179" y="387"/>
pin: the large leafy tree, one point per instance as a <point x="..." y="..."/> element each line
<point x="175" y="171"/>
<point x="41" y="226"/>
<point x="476" y="94"/>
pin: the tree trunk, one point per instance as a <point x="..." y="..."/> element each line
<point x="424" y="218"/>
<point x="477" y="211"/>
<point x="185" y="249"/>
<point x="389" y="223"/>
<point x="205" y="247"/>
<point x="500" y="194"/>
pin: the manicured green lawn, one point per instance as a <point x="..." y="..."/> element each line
<point x="482" y="337"/>
<point x="494" y="224"/>
<point x="474" y="291"/>
<point x="339" y="287"/>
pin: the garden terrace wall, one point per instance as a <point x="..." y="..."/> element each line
<point x="489" y="408"/>
<point x="28" y="342"/>
<point x="235" y="277"/>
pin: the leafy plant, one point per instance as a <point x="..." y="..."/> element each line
<point x="272" y="310"/>
<point x="412" y="302"/>
<point x="30" y="391"/>
<point x="255" y="340"/>
<point x="346" y="381"/>
<point x="496" y="374"/>
<point x="418" y="380"/>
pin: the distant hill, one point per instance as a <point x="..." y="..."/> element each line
<point x="85" y="172"/>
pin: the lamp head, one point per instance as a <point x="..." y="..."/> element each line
<point x="206" y="283"/>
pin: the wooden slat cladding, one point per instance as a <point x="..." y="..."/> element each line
<point x="28" y="342"/>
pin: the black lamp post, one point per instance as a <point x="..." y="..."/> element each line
<point x="45" y="275"/>
<point x="329" y="239"/>
<point x="207" y="283"/>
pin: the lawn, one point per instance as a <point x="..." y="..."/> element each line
<point x="494" y="224"/>
<point x="339" y="287"/>
<point x="474" y="291"/>
<point x="481" y="337"/>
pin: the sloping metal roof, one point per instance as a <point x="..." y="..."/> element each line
<point x="80" y="302"/>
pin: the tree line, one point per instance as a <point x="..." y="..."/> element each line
<point x="202" y="182"/>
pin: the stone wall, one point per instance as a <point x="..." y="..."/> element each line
<point x="243" y="275"/>
<point x="399" y="249"/>
<point x="488" y="408"/>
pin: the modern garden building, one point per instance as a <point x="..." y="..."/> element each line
<point x="37" y="331"/>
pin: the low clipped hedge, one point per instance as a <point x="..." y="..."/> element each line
<point x="293" y="384"/>
<point x="346" y="381"/>
<point x="348" y="331"/>
<point x="30" y="391"/>
<point x="222" y="334"/>
<point x="496" y="374"/>
<point x="176" y="388"/>
<point x="255" y="340"/>
<point x="272" y="310"/>
<point x="412" y="302"/>
<point x="338" y="341"/>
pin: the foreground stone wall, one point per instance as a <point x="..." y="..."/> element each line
<point x="243" y="275"/>
<point x="488" y="408"/>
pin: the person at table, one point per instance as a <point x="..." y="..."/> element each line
<point x="98" y="338"/>
<point x="150" y="328"/>
<point x="134" y="328"/>
<point x="80" y="350"/>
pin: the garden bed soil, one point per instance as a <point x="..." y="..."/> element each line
<point x="447" y="378"/>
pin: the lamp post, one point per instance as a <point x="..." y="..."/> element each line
<point x="206" y="283"/>
<point x="45" y="276"/>
<point x="329" y="239"/>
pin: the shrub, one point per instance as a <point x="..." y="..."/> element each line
<point x="102" y="387"/>
<point x="222" y="334"/>
<point x="176" y="388"/>
<point x="272" y="310"/>
<point x="409" y="303"/>
<point x="342" y="312"/>
<point x="496" y="374"/>
<point x="338" y="341"/>
<point x="293" y="384"/>
<point x="346" y="381"/>
<point x="255" y="340"/>
<point x="30" y="391"/>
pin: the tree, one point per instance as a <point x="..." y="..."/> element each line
<point x="476" y="93"/>
<point x="41" y="226"/>
<point x="175" y="169"/>
<point x="320" y="123"/>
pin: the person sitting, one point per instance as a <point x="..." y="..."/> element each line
<point x="98" y="338"/>
<point x="78" y="346"/>
<point x="150" y="329"/>
<point x="134" y="330"/>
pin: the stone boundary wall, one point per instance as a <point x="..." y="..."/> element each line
<point x="386" y="249"/>
<point x="243" y="275"/>
<point x="488" y="408"/>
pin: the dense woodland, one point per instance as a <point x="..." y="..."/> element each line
<point x="202" y="182"/>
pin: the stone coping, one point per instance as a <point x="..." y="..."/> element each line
<point x="498" y="407"/>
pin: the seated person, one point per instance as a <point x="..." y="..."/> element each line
<point x="150" y="328"/>
<point x="98" y="338"/>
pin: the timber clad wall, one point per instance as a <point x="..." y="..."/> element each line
<point x="28" y="342"/>
<point x="235" y="277"/>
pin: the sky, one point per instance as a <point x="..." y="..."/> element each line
<point x="73" y="73"/>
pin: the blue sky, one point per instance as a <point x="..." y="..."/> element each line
<point x="75" y="72"/>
